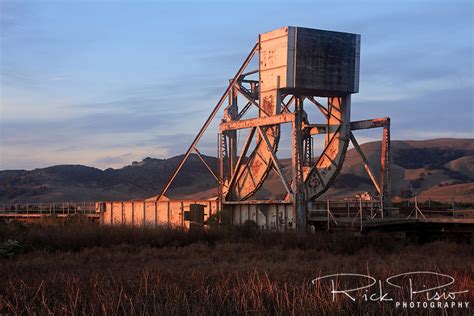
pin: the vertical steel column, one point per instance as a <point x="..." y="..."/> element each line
<point x="111" y="213"/>
<point x="257" y="218"/>
<point x="231" y="114"/>
<point x="277" y="217"/>
<point x="240" y="214"/>
<point x="144" y="213"/>
<point x="182" y="214"/>
<point x="232" y="214"/>
<point x="299" y="201"/>
<point x="220" y="189"/>
<point x="156" y="214"/>
<point x="133" y="214"/>
<point x="123" y="213"/>
<point x="169" y="213"/>
<point x="385" y="168"/>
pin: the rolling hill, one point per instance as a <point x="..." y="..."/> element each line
<point x="438" y="169"/>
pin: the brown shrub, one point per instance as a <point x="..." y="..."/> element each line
<point x="85" y="269"/>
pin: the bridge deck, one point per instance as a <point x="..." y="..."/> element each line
<point x="442" y="224"/>
<point x="38" y="215"/>
<point x="338" y="216"/>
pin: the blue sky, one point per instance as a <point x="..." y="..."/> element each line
<point x="104" y="83"/>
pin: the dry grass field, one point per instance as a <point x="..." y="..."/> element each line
<point x="81" y="268"/>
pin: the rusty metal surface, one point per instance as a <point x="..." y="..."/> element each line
<point x="320" y="177"/>
<point x="309" y="61"/>
<point x="372" y="123"/>
<point x="295" y="65"/>
<point x="272" y="215"/>
<point x="153" y="213"/>
<point x="385" y="181"/>
<point x="251" y="175"/>
<point x="264" y="121"/>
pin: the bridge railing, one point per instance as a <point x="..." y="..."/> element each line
<point x="63" y="208"/>
<point x="359" y="211"/>
<point x="348" y="208"/>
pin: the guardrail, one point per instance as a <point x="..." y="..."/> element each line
<point x="363" y="212"/>
<point x="40" y="209"/>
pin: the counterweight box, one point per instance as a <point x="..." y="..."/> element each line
<point x="309" y="61"/>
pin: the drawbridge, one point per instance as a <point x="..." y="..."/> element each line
<point x="297" y="68"/>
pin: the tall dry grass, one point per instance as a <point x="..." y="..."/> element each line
<point x="87" y="269"/>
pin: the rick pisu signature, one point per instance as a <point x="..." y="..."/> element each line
<point x="423" y="289"/>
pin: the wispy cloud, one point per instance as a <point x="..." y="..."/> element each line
<point x="421" y="135"/>
<point x="383" y="88"/>
<point x="102" y="83"/>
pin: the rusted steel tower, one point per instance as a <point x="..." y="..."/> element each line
<point x="295" y="67"/>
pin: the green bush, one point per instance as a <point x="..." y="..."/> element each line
<point x="10" y="248"/>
